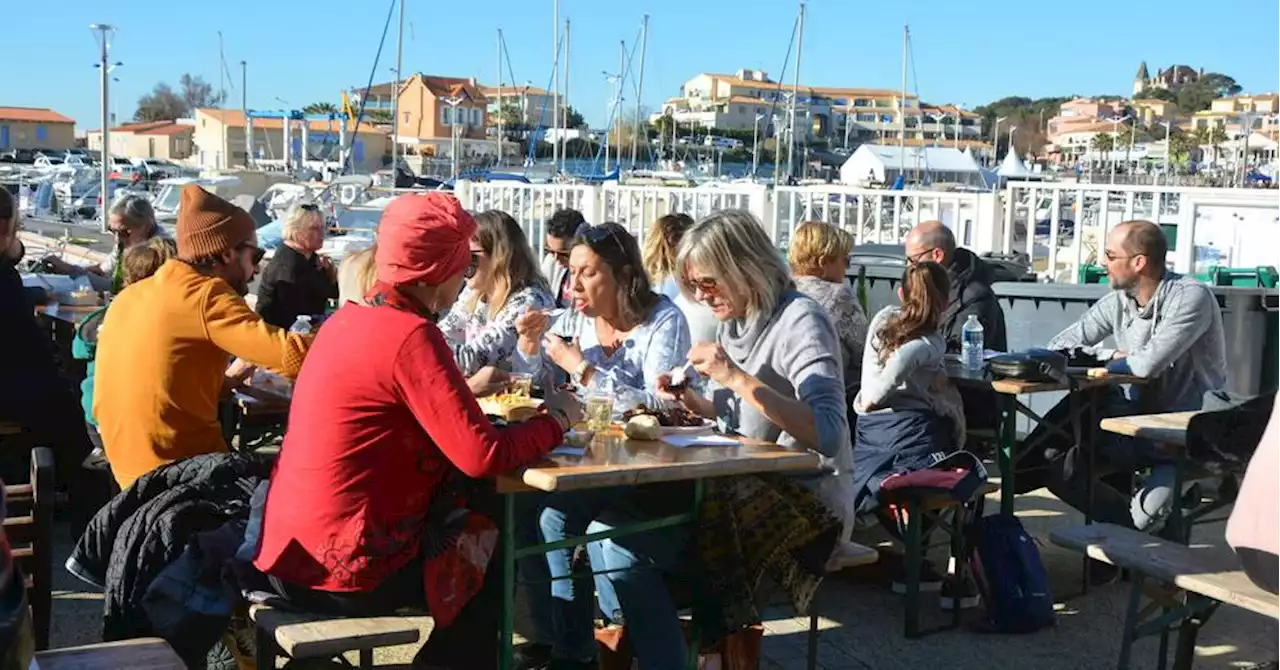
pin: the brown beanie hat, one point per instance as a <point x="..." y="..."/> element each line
<point x="209" y="225"/>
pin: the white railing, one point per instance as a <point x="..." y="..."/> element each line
<point x="1064" y="226"/>
<point x="1060" y="227"/>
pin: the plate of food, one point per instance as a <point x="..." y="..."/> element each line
<point x="672" y="421"/>
<point x="511" y="407"/>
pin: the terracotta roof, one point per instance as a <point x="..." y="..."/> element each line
<point x="171" y="129"/>
<point x="949" y="110"/>
<point x="377" y="89"/>
<point x="949" y="143"/>
<point x="860" y="92"/>
<point x="1099" y="127"/>
<point x="449" y="86"/>
<point x="33" y="114"/>
<point x="234" y="118"/>
<point x="151" y="128"/>
<point x="508" y="89"/>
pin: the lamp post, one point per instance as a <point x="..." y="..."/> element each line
<point x="937" y="119"/>
<point x="959" y="123"/>
<point x="104" y="42"/>
<point x="1168" y="149"/>
<point x="453" y="102"/>
<point x="1115" y="134"/>
<point x="755" y="144"/>
<point x="1012" y="150"/>
<point x="995" y="139"/>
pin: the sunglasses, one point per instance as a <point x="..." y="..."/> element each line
<point x="309" y="207"/>
<point x="707" y="285"/>
<point x="472" y="266"/>
<point x="258" y="252"/>
<point x="596" y="234"/>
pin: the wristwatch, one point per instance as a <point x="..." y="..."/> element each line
<point x="576" y="375"/>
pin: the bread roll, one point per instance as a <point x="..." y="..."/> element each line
<point x="643" y="427"/>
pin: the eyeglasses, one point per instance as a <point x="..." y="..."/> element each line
<point x="707" y="285"/>
<point x="916" y="258"/>
<point x="1112" y="256"/>
<point x="472" y="266"/>
<point x="258" y="252"/>
<point x="560" y="253"/>
<point x="309" y="207"/>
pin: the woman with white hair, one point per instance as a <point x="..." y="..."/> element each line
<point x="133" y="221"/>
<point x="298" y="281"/>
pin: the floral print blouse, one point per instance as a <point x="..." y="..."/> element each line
<point x="478" y="341"/>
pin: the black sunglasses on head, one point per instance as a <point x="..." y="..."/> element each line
<point x="596" y="234"/>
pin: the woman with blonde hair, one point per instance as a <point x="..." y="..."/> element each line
<point x="481" y="326"/>
<point x="298" y="281"/>
<point x="356" y="274"/>
<point x="908" y="411"/>
<point x="819" y="258"/>
<point x="660" y="249"/>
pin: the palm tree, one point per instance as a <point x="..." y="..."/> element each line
<point x="320" y="108"/>
<point x="1217" y="135"/>
<point x="1103" y="143"/>
<point x="1201" y="136"/>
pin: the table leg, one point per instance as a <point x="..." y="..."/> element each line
<point x="505" y="640"/>
<point x="1090" y="476"/>
<point x="695" y="633"/>
<point x="1007" y="429"/>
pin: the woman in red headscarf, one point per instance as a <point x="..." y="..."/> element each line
<point x="374" y="504"/>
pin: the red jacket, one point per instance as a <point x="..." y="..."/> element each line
<point x="380" y="415"/>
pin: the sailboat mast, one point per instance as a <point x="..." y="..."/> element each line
<point x="395" y="95"/>
<point x="902" y="111"/>
<point x="500" y="108"/>
<point x="563" y="138"/>
<point x="795" y="97"/>
<point x="555" y="85"/>
<point x="635" y="135"/>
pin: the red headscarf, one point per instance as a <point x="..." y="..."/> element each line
<point x="423" y="239"/>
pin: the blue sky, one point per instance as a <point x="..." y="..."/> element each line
<point x="301" y="52"/>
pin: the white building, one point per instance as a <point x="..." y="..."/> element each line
<point x="536" y="106"/>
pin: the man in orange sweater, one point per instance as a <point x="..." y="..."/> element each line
<point x="167" y="340"/>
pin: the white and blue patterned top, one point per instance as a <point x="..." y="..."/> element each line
<point x="478" y="341"/>
<point x="655" y="347"/>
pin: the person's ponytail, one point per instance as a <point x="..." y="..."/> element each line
<point x="925" y="288"/>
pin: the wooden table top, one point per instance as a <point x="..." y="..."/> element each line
<point x="1170" y="427"/>
<point x="257" y="400"/>
<point x="140" y="654"/>
<point x="967" y="378"/>
<point x="68" y="313"/>
<point x="624" y="462"/>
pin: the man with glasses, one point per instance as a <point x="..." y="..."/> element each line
<point x="971" y="280"/>
<point x="1167" y="328"/>
<point x="163" y="348"/>
<point x="562" y="227"/>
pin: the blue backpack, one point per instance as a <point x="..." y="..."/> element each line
<point x="1006" y="565"/>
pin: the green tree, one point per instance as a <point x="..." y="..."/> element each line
<point x="1103" y="142"/>
<point x="573" y="119"/>
<point x="320" y="108"/>
<point x="378" y="115"/>
<point x="162" y="103"/>
<point x="1217" y="136"/>
<point x="1157" y="94"/>
<point x="1181" y="146"/>
<point x="512" y="119"/>
<point x="664" y="125"/>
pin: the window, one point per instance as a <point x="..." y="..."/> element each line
<point x="405" y="116"/>
<point x="446" y="115"/>
<point x="476" y="118"/>
<point x="867" y="118"/>
<point x="42" y="133"/>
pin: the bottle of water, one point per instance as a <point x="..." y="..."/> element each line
<point x="971" y="345"/>
<point x="301" y="325"/>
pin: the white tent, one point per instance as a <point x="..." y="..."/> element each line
<point x="1014" y="168"/>
<point x="875" y="163"/>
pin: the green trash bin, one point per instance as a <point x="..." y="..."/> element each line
<point x="1092" y="274"/>
<point x="1262" y="276"/>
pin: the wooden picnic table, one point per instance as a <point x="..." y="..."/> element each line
<point x="1007" y="392"/>
<point x="626" y="462"/>
<point x="614" y="460"/>
<point x="1169" y="427"/>
<point x="139" y="654"/>
<point x="71" y="314"/>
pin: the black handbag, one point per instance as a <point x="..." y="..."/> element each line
<point x="1032" y="365"/>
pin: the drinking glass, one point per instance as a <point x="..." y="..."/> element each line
<point x="599" y="412"/>
<point x="521" y="384"/>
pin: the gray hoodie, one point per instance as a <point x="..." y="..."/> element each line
<point x="1175" y="340"/>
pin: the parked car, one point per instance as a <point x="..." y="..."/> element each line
<point x="21" y="156"/>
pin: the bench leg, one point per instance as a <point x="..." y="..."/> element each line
<point x="1162" y="658"/>
<point x="813" y="638"/>
<point x="914" y="546"/>
<point x="366" y="659"/>
<point x="1131" y="623"/>
<point x="959" y="522"/>
<point x="505" y="651"/>
<point x="1185" y="652"/>
<point x="264" y="653"/>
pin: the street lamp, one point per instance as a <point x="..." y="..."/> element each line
<point x="1012" y="150"/>
<point x="959" y="123"/>
<point x="453" y="102"/>
<point x="104" y="70"/>
<point x="755" y="144"/>
<point x="1168" y="128"/>
<point x="995" y="139"/>
<point x="937" y="119"/>
<point x="1115" y="134"/>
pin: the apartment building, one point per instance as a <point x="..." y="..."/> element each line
<point x="749" y="97"/>
<point x="434" y="111"/>
<point x="1258" y="113"/>
<point x="169" y="140"/>
<point x="535" y="106"/>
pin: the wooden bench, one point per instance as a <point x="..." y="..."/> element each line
<point x="314" y="636"/>
<point x="920" y="504"/>
<point x="28" y="526"/>
<point x="1189" y="585"/>
<point x="140" y="654"/>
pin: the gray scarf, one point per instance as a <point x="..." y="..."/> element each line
<point x="740" y="336"/>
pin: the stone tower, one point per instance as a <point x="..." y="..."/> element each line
<point x="1140" y="80"/>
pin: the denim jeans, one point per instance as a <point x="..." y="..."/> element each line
<point x="631" y="590"/>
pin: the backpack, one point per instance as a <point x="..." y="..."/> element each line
<point x="1012" y="580"/>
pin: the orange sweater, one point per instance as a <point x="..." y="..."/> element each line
<point x="162" y="352"/>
